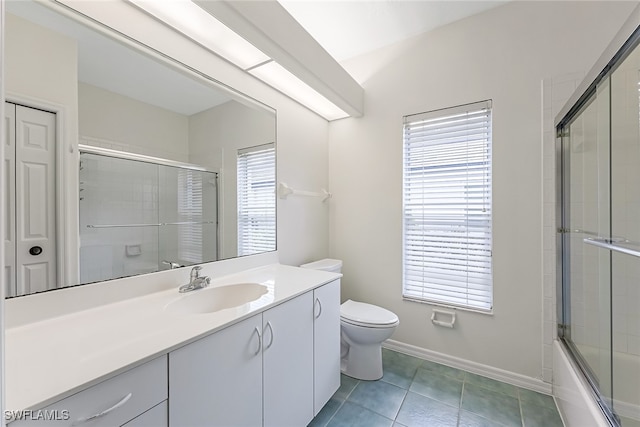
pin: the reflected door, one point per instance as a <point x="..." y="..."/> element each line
<point x="30" y="227"/>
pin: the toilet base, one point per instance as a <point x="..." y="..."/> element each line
<point x="363" y="362"/>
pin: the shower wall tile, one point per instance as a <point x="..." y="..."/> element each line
<point x="555" y="93"/>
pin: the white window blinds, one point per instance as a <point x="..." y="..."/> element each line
<point x="190" y="213"/>
<point x="447" y="207"/>
<point x="256" y="200"/>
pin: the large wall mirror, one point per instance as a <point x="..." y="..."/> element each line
<point x="119" y="162"/>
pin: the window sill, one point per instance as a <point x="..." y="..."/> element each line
<point x="450" y="306"/>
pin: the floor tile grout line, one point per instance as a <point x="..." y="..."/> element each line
<point x="520" y="407"/>
<point x="406" y="393"/>
<point x="460" y="405"/>
<point x="367" y="409"/>
<point x="334" y="414"/>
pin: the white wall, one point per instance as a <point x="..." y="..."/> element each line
<point x="503" y="55"/>
<point x="46" y="78"/>
<point x="48" y="72"/>
<point x="110" y="118"/>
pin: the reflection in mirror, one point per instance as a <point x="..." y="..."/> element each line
<point x="69" y="84"/>
<point x="140" y="216"/>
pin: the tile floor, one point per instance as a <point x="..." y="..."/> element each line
<point x="416" y="393"/>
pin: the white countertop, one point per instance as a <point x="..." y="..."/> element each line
<point x="48" y="360"/>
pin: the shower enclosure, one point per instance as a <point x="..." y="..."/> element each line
<point x="140" y="216"/>
<point x="598" y="146"/>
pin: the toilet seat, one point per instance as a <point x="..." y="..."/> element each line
<point x="367" y="315"/>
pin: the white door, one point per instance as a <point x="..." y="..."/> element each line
<point x="9" y="206"/>
<point x="34" y="200"/>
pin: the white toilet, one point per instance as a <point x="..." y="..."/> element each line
<point x="363" y="329"/>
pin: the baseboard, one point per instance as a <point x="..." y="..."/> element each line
<point x="519" y="380"/>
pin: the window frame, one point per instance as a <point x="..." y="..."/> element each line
<point x="481" y="297"/>
<point x="268" y="213"/>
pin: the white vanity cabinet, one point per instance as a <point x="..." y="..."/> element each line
<point x="217" y="380"/>
<point x="155" y="417"/>
<point x="288" y="363"/>
<point x="113" y="402"/>
<point x="277" y="368"/>
<point x="326" y="343"/>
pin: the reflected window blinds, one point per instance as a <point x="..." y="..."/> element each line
<point x="256" y="200"/>
<point x="190" y="212"/>
<point x="447" y="207"/>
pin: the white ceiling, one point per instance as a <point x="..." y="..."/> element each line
<point x="345" y="28"/>
<point x="105" y="63"/>
<point x="349" y="28"/>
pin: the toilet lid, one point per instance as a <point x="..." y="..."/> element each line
<point x="367" y="314"/>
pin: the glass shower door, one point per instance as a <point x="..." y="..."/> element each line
<point x="586" y="215"/>
<point x="625" y="229"/>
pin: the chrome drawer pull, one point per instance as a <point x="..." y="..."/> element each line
<point x="105" y="412"/>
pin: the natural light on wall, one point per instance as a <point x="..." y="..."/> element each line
<point x="197" y="24"/>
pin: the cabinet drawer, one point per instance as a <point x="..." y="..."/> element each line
<point x="110" y="403"/>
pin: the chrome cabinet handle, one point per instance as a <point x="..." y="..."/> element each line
<point x="105" y="412"/>
<point x="268" y="325"/>
<point x="257" y="330"/>
<point x="319" y="306"/>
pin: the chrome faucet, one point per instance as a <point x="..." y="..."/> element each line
<point x="195" y="281"/>
<point x="171" y="264"/>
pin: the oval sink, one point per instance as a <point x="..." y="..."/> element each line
<point x="209" y="300"/>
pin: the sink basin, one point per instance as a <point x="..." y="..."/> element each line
<point x="218" y="298"/>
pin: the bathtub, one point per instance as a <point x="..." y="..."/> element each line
<point x="575" y="399"/>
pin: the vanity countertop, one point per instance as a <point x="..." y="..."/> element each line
<point x="48" y="360"/>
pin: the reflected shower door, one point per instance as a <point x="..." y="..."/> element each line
<point x="188" y="205"/>
<point x="118" y="217"/>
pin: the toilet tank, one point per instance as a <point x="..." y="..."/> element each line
<point x="327" y="264"/>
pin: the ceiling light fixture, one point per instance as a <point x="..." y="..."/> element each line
<point x="278" y="77"/>
<point x="188" y="18"/>
<point x="202" y="27"/>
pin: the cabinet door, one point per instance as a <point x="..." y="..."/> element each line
<point x="288" y="363"/>
<point x="326" y="343"/>
<point x="217" y="381"/>
<point x="154" y="417"/>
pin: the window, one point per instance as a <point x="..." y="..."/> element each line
<point x="256" y="200"/>
<point x="447" y="207"/>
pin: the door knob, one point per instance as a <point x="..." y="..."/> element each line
<point x="35" y="250"/>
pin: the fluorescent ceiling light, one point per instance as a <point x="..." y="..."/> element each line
<point x="197" y="24"/>
<point x="283" y="80"/>
<point x="188" y="18"/>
